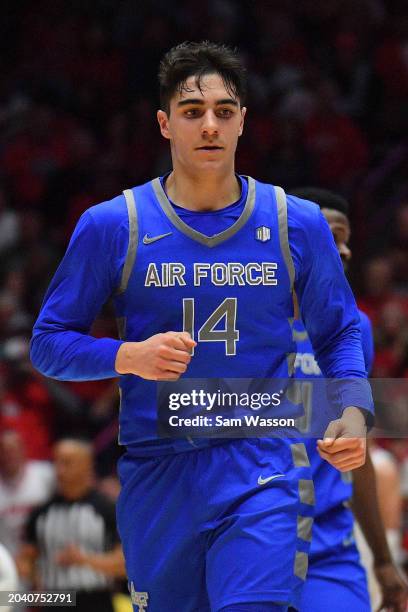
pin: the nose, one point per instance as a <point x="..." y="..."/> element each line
<point x="209" y="126"/>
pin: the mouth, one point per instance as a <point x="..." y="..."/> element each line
<point x="210" y="148"/>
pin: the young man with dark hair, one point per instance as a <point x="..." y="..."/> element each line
<point x="207" y="524"/>
<point x="336" y="579"/>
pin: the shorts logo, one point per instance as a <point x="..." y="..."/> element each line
<point x="139" y="598"/>
<point x="263" y="233"/>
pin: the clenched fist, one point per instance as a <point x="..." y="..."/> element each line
<point x="160" y="357"/>
<point x="344" y="443"/>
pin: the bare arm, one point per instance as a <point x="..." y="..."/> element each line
<point x="111" y="563"/>
<point x="25" y="561"/>
<point x="367" y="511"/>
<point x="389" y="494"/>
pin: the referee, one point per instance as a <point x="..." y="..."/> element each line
<point x="71" y="542"/>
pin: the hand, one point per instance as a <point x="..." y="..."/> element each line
<point x="71" y="555"/>
<point x="394" y="588"/>
<point x="344" y="443"/>
<point x="160" y="357"/>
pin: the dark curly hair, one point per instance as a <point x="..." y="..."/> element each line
<point x="200" y="59"/>
<point x="323" y="198"/>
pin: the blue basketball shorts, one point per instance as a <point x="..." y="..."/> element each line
<point x="336" y="582"/>
<point x="227" y="524"/>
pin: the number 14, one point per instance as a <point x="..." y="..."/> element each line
<point x="207" y="332"/>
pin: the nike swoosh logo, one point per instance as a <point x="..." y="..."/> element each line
<point x="148" y="240"/>
<point x="262" y="481"/>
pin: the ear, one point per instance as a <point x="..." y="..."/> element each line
<point x="163" y="120"/>
<point x="241" y="125"/>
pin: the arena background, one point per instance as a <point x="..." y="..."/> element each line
<point x="327" y="106"/>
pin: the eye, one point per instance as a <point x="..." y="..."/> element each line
<point x="225" y="112"/>
<point x="191" y="112"/>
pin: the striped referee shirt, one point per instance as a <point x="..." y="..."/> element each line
<point x="89" y="523"/>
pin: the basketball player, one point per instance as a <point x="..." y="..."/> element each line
<point x="335" y="578"/>
<point x="204" y="261"/>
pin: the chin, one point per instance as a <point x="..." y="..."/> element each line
<point x="212" y="164"/>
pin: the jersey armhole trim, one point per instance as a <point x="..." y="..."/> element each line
<point x="133" y="240"/>
<point x="282" y="206"/>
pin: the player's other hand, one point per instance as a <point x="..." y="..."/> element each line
<point x="344" y="443"/>
<point x="394" y="588"/>
<point x="160" y="357"/>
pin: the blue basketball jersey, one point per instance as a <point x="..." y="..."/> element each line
<point x="232" y="291"/>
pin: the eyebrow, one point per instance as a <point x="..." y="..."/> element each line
<point x="201" y="102"/>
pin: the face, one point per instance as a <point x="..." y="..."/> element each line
<point x="73" y="464"/>
<point x="12" y="456"/>
<point x="340" y="228"/>
<point x="203" y="126"/>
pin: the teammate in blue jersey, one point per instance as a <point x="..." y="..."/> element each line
<point x="336" y="579"/>
<point x="201" y="264"/>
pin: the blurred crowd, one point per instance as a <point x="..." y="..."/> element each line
<point x="328" y="93"/>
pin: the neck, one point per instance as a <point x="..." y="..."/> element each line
<point x="203" y="192"/>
